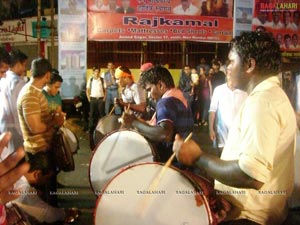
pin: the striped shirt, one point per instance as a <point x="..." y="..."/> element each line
<point x="32" y="101"/>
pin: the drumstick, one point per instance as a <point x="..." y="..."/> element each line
<point x="117" y="138"/>
<point x="154" y="184"/>
<point x="112" y="110"/>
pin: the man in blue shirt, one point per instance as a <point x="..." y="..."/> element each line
<point x="173" y="114"/>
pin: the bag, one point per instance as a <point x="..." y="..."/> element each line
<point x="62" y="152"/>
<point x="16" y="216"/>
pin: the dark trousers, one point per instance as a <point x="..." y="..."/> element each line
<point x="96" y="112"/>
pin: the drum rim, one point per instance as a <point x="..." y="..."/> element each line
<point x="100" y="120"/>
<point x="189" y="178"/>
<point x="108" y="134"/>
<point x="105" y="118"/>
<point x="77" y="139"/>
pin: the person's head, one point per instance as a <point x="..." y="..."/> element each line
<point x="253" y="56"/>
<point x="54" y="84"/>
<point x="262" y="16"/>
<point x="187" y="69"/>
<point x="41" y="69"/>
<point x="211" y="72"/>
<point x="295" y="39"/>
<point x="4" y="62"/>
<point x="18" y="62"/>
<point x="185" y="4"/>
<point x="202" y="60"/>
<point x="202" y="70"/>
<point x="112" y="4"/>
<point x="276" y="16"/>
<point x="123" y="74"/>
<point x="287" y="40"/>
<point x="296" y="17"/>
<point x="286" y="17"/>
<point x="194" y="70"/>
<point x="215" y="65"/>
<point x="125" y="4"/>
<point x="110" y="66"/>
<point x="157" y="81"/>
<point x="279" y="38"/>
<point x="96" y="72"/>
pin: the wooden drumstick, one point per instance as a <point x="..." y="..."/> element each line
<point x="154" y="184"/>
<point x="112" y="110"/>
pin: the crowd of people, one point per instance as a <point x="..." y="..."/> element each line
<point x="249" y="117"/>
<point x="30" y="115"/>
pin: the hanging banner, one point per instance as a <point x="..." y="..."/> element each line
<point x="72" y="46"/>
<point x="281" y="17"/>
<point x="13" y="31"/>
<point x="243" y="14"/>
<point x="160" y="20"/>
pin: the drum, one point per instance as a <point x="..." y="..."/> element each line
<point x="106" y="125"/>
<point x="63" y="155"/>
<point x="116" y="151"/>
<point x="177" y="198"/>
<point x="71" y="138"/>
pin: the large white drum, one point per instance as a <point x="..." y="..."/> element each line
<point x="177" y="199"/>
<point x="115" y="151"/>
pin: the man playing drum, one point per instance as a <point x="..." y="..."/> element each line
<point x="133" y="96"/>
<point x="38" y="124"/>
<point x="255" y="171"/>
<point x="173" y="115"/>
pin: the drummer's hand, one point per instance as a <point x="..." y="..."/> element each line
<point x="186" y="152"/>
<point x="128" y="119"/>
<point x="119" y="102"/>
<point x="9" y="171"/>
<point x="58" y="119"/>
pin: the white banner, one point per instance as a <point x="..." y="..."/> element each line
<point x="72" y="37"/>
<point x="13" y="31"/>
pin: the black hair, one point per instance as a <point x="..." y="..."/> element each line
<point x="156" y="74"/>
<point x="260" y="46"/>
<point x="125" y="69"/>
<point x="55" y="77"/>
<point x="17" y="56"/>
<point x="39" y="67"/>
<point x="4" y="56"/>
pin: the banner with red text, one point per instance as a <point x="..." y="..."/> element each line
<point x="282" y="18"/>
<point x="160" y="20"/>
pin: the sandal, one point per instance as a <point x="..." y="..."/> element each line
<point x="72" y="214"/>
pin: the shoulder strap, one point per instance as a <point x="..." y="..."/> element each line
<point x="91" y="80"/>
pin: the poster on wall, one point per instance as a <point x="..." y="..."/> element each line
<point x="281" y="17"/>
<point x="160" y="20"/>
<point x="72" y="46"/>
<point x="243" y="11"/>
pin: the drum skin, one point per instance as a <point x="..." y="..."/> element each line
<point x="176" y="199"/>
<point x="72" y="139"/>
<point x="106" y="124"/>
<point x="115" y="151"/>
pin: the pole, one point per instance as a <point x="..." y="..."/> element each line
<point x="38" y="28"/>
<point x="52" y="31"/>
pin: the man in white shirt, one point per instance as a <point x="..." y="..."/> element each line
<point x="225" y="104"/>
<point x="95" y="95"/>
<point x="256" y="170"/>
<point x="186" y="8"/>
<point x="133" y="95"/>
<point x="276" y="23"/>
